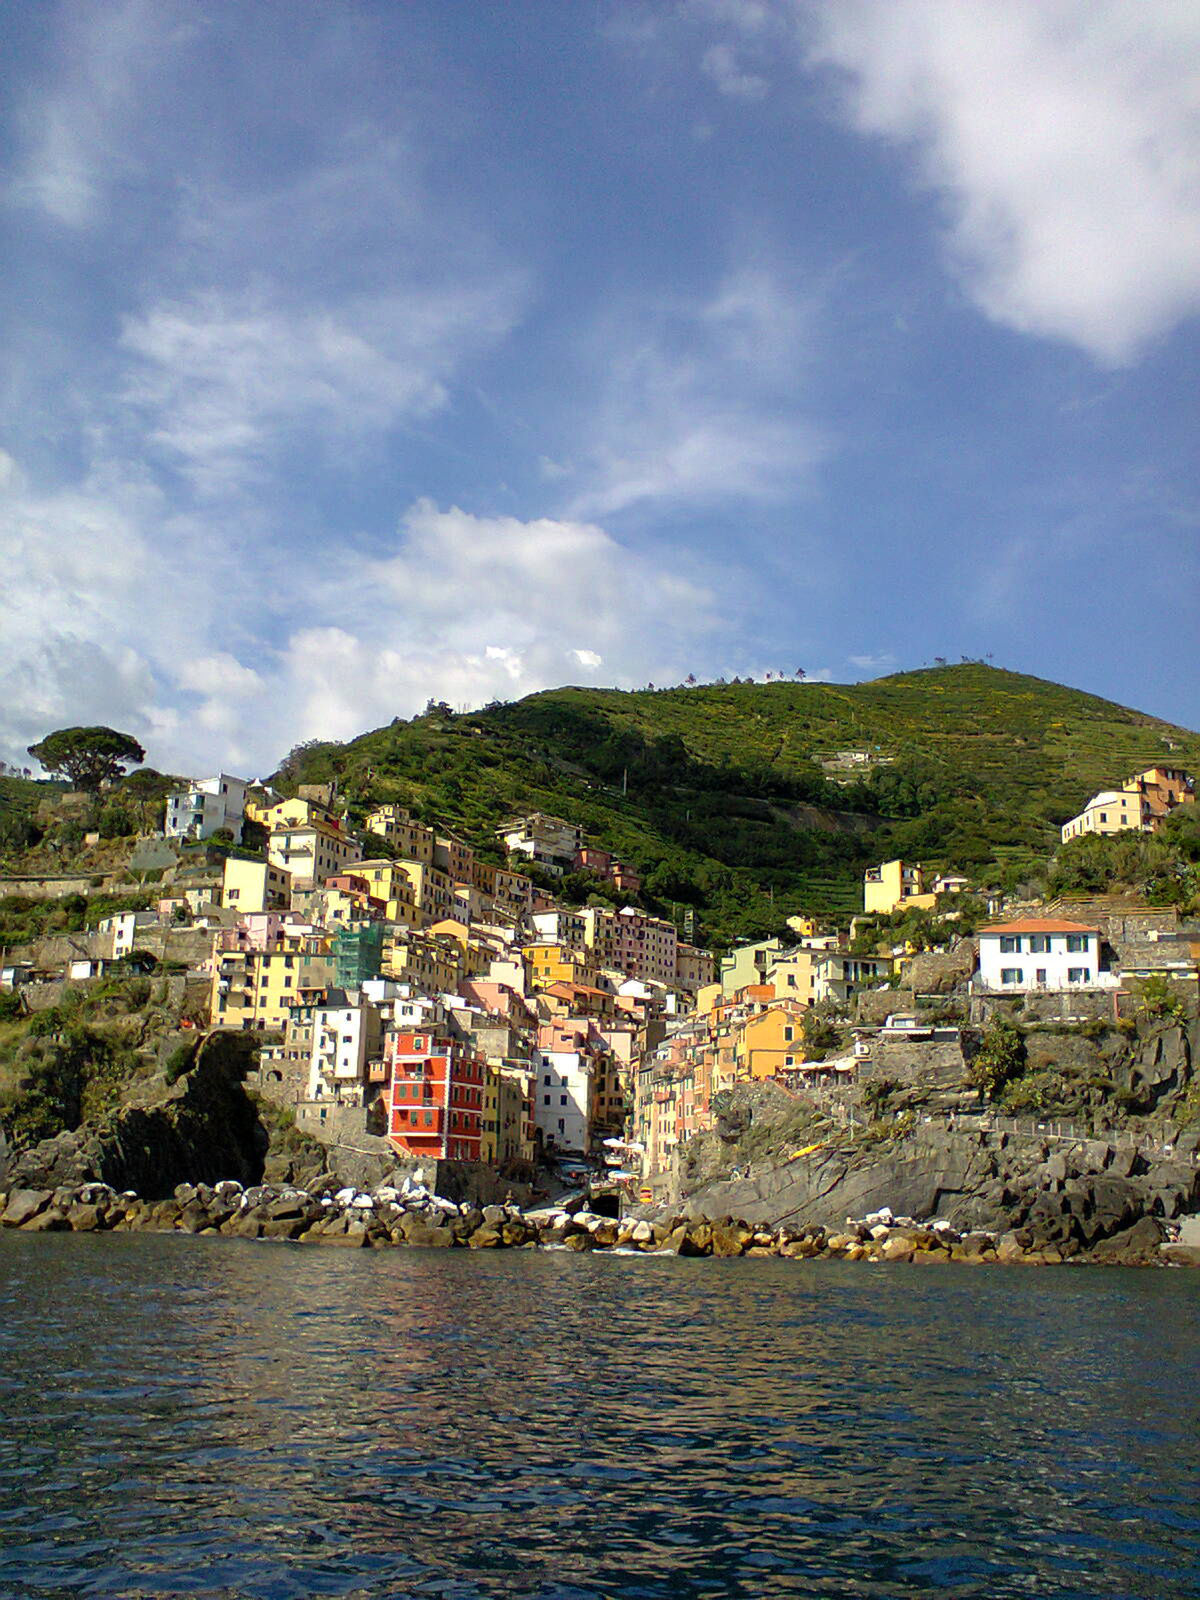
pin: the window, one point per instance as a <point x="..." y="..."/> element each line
<point x="1039" y="943"/>
<point x="1077" y="943"/>
<point x="562" y="1099"/>
<point x="788" y="1035"/>
<point x="545" y="1099"/>
<point x="1078" y="975"/>
<point x="1009" y="944"/>
<point x="1011" y="975"/>
<point x="1040" y="977"/>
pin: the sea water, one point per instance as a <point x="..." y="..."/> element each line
<point x="204" y="1418"/>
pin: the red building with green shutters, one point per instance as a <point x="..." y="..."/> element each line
<point x="435" y="1096"/>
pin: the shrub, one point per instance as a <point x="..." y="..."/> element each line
<point x="179" y="1061"/>
<point x="999" y="1060"/>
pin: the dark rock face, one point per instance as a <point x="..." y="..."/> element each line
<point x="1082" y="1193"/>
<point x="1160" y="1065"/>
<point x="203" y="1129"/>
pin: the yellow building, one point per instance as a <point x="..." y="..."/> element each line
<point x="431" y="965"/>
<point x="259" y="988"/>
<point x="769" y="1042"/>
<point x="557" y="963"/>
<point x="294" y="813"/>
<point x="893" y="886"/>
<point x="431" y="888"/>
<point x="255" y="886"/>
<point x="396" y="825"/>
<point x="475" y="956"/>
<point x="389" y="883"/>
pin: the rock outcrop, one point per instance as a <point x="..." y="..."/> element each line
<point x="412" y="1218"/>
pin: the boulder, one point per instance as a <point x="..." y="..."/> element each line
<point x="283" y="1228"/>
<point x="86" y="1219"/>
<point x="423" y="1237"/>
<point x="725" y="1241"/>
<point x="50" y="1221"/>
<point x="1137" y="1242"/>
<point x="896" y="1248"/>
<point x="490" y="1238"/>
<point x="578" y="1241"/>
<point x="23" y="1205"/>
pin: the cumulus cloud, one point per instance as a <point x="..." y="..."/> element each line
<point x="104" y="625"/>
<point x="468" y="609"/>
<point x="1063" y="140"/>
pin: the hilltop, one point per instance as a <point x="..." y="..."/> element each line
<point x="728" y="798"/>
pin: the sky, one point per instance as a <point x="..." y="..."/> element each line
<point x="358" y="354"/>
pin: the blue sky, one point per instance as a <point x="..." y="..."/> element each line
<point x="368" y="352"/>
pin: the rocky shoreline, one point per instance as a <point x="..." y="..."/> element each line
<point x="411" y="1217"/>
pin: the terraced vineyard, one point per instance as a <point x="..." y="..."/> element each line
<point x="698" y="787"/>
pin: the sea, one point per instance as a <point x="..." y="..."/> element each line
<point x="210" y="1418"/>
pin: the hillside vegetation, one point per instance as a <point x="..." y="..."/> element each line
<point x="716" y="793"/>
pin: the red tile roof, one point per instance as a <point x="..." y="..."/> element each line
<point x="1039" y="925"/>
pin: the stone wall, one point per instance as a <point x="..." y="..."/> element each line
<point x="1051" y="1005"/>
<point x="49" y="888"/>
<point x="930" y="1063"/>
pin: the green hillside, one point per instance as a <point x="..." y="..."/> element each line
<point x="717" y="792"/>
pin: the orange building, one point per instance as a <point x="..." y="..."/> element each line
<point x="435" y="1097"/>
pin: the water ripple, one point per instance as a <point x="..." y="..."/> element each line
<point x="233" y="1421"/>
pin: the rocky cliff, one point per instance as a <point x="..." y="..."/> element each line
<point x="777" y="1158"/>
<point x="201" y="1128"/>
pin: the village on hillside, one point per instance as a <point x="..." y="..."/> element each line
<point x="448" y="1008"/>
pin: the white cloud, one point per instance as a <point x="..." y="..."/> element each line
<point x="720" y="63"/>
<point x="222" y="381"/>
<point x="1064" y="140"/>
<point x="872" y="663"/>
<point x="699" y="400"/>
<point x="75" y="131"/>
<point x="102" y="625"/>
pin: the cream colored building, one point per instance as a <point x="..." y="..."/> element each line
<point x="397" y="826"/>
<point x="255" y="886"/>
<point x="1142" y="802"/>
<point x="1110" y="811"/>
<point x="313" y="850"/>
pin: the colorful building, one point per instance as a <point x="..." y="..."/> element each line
<point x="435" y="1096"/>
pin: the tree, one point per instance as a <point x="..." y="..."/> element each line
<point x="999" y="1060"/>
<point x="88" y="756"/>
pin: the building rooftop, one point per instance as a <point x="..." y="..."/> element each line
<point x="1039" y="925"/>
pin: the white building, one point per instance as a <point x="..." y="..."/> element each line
<point x="209" y="804"/>
<point x="1040" y="953"/>
<point x="550" y="841"/>
<point x="560" y="927"/>
<point x="347" y="1039"/>
<point x="123" y="928"/>
<point x="563" y="1091"/>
